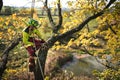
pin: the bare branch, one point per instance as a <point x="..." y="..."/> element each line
<point x="109" y="26"/>
<point x="57" y="27"/>
<point x="85" y="50"/>
<point x="110" y="67"/>
<point x="109" y="4"/>
<point x="49" y="13"/>
<point x="104" y="64"/>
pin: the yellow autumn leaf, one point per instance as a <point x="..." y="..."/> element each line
<point x="1" y="33"/>
<point x="0" y="37"/>
<point x="70" y="42"/>
<point x="7" y="22"/>
<point x="9" y="30"/>
<point x="47" y="78"/>
<point x="58" y="47"/>
<point x="57" y="43"/>
<point x="103" y="56"/>
<point x="14" y="16"/>
<point x="1" y="19"/>
<point x="69" y="3"/>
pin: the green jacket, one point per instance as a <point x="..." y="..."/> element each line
<point x="27" y="35"/>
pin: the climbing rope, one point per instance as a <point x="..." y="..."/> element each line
<point x="40" y="67"/>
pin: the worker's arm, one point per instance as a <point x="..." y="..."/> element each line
<point x="25" y="39"/>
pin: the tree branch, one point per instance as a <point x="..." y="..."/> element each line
<point x="49" y="14"/>
<point x="5" y="55"/>
<point x="57" y="27"/>
<point x="85" y="50"/>
<point x="109" y="4"/>
<point x="109" y="26"/>
<point x="110" y="67"/>
<point x="53" y="39"/>
<point x="74" y="30"/>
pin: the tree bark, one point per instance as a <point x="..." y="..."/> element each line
<point x="40" y="66"/>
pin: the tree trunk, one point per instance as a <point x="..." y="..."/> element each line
<point x="1" y="4"/>
<point x="42" y="55"/>
<point x="32" y="8"/>
<point x="40" y="64"/>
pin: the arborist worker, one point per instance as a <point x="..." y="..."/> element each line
<point x="30" y="42"/>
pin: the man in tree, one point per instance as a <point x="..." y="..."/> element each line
<point x="31" y="43"/>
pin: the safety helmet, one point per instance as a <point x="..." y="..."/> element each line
<point x="33" y="22"/>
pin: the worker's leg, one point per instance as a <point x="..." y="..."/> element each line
<point x="31" y="52"/>
<point x="31" y="64"/>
